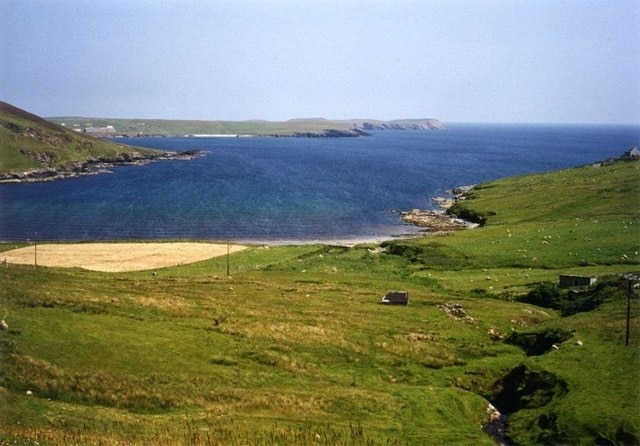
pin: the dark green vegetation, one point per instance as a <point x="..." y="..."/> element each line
<point x="30" y="142"/>
<point x="570" y="301"/>
<point x="295" y="349"/>
<point x="315" y="127"/>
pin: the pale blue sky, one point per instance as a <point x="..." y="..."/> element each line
<point x="572" y="61"/>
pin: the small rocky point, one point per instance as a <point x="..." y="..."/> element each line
<point x="438" y="221"/>
<point x="93" y="166"/>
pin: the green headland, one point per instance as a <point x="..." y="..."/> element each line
<point x="293" y="347"/>
<point x="306" y="127"/>
<point x="30" y="142"/>
<point x="34" y="149"/>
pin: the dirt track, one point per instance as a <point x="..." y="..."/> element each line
<point x="116" y="257"/>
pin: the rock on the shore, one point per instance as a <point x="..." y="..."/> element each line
<point x="434" y="221"/>
<point x="439" y="221"/>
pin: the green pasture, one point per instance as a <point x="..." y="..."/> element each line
<point x="294" y="348"/>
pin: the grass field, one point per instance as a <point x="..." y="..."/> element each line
<point x="294" y="348"/>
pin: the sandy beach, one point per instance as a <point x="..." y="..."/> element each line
<point x="116" y="257"/>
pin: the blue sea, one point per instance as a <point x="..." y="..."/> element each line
<point x="294" y="189"/>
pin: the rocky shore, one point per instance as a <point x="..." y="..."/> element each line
<point x="438" y="221"/>
<point x="94" y="166"/>
<point x="326" y="133"/>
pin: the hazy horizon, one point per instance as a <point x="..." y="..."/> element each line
<point x="479" y="123"/>
<point x="353" y="118"/>
<point x="503" y="62"/>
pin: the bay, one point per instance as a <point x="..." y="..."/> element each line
<point x="286" y="189"/>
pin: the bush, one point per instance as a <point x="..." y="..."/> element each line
<point x="463" y="212"/>
<point x="431" y="253"/>
<point x="547" y="295"/>
<point x="408" y="251"/>
<point x="581" y="301"/>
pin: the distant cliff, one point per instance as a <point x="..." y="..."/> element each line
<point x="400" y="124"/>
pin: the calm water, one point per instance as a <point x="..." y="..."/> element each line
<point x="290" y="188"/>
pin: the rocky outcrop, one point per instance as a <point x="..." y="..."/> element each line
<point x="439" y="220"/>
<point x="93" y="166"/>
<point x="434" y="221"/>
<point x="456" y="312"/>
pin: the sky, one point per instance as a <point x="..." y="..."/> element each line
<point x="520" y="61"/>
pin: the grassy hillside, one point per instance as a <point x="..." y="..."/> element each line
<point x="294" y="348"/>
<point x="30" y="142"/>
<point x="581" y="220"/>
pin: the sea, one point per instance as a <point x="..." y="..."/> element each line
<point x="284" y="190"/>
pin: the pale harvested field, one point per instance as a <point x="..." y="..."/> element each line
<point x="117" y="257"/>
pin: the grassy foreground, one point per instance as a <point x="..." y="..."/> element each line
<point x="295" y="349"/>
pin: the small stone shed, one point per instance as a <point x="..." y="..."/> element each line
<point x="568" y="281"/>
<point x="395" y="298"/>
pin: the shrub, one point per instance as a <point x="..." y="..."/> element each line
<point x="408" y="251"/>
<point x="463" y="212"/>
<point x="581" y="301"/>
<point x="547" y="295"/>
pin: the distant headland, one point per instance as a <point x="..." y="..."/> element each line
<point x="37" y="149"/>
<point x="300" y="128"/>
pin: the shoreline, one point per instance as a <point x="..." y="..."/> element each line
<point x="348" y="241"/>
<point x="93" y="166"/>
<point x="419" y="223"/>
<point x="112" y="255"/>
<point x="423" y="222"/>
<point x="413" y="231"/>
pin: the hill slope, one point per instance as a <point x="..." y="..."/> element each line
<point x="32" y="148"/>
<point x="569" y="218"/>
<point x="582" y="221"/>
